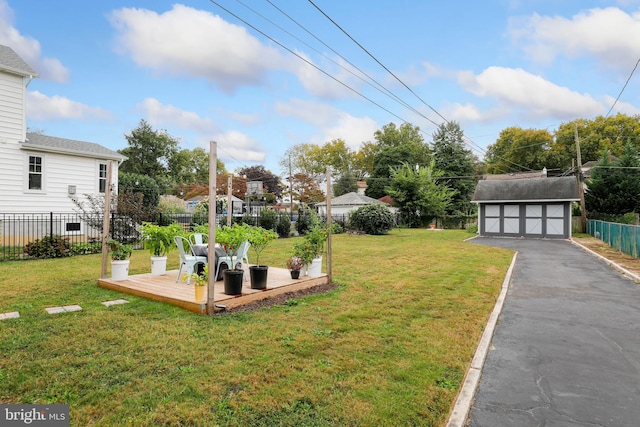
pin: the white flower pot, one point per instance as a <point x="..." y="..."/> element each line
<point x="315" y="268"/>
<point x="120" y="270"/>
<point x="158" y="265"/>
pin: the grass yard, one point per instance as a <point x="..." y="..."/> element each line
<point x="389" y="347"/>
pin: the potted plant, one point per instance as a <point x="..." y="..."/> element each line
<point x="120" y="254"/>
<point x="230" y="239"/>
<point x="259" y="238"/>
<point x="158" y="240"/>
<point x="295" y="264"/>
<point x="310" y="249"/>
<point x="200" y="282"/>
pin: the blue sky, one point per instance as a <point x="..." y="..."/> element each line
<point x="195" y="70"/>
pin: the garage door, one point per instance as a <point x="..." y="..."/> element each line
<point x="526" y="220"/>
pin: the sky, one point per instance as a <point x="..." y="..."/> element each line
<point x="259" y="76"/>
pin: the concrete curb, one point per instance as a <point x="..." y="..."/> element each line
<point x="624" y="271"/>
<point x="461" y="408"/>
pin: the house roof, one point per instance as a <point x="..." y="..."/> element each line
<point x="11" y="62"/>
<point x="351" y="199"/>
<point x="527" y="190"/>
<point x="52" y="144"/>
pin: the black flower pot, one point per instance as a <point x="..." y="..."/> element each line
<point x="258" y="275"/>
<point x="233" y="281"/>
<point x="295" y="274"/>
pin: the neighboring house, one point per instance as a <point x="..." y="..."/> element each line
<point x="41" y="173"/>
<point x="528" y="207"/>
<point x="346" y="203"/>
<point x="235" y="201"/>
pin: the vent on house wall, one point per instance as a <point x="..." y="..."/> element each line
<point x="71" y="190"/>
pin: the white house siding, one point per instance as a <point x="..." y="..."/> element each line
<point x="59" y="172"/>
<point x="12" y="108"/>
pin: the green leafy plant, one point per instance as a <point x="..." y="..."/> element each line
<point x="230" y="238"/>
<point x="49" y="247"/>
<point x="200" y="279"/>
<point x="259" y="238"/>
<point x="372" y="219"/>
<point x="119" y="251"/>
<point x="158" y="239"/>
<point x="312" y="245"/>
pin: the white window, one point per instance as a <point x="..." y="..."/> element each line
<point x="102" y="177"/>
<point x="35" y="167"/>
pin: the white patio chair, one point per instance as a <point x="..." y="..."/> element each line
<point x="197" y="238"/>
<point x="187" y="259"/>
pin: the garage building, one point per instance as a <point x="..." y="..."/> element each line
<point x="527" y="207"/>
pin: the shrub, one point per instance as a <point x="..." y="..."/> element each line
<point x="283" y="227"/>
<point x="268" y="219"/>
<point x="336" y="228"/>
<point x="372" y="219"/>
<point x="86" y="248"/>
<point x="49" y="247"/>
<point x="306" y="220"/>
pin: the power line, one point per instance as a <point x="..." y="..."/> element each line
<point x="623" y="87"/>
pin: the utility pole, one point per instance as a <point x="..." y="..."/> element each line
<point x="583" y="210"/>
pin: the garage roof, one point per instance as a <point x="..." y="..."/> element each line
<point x="527" y="190"/>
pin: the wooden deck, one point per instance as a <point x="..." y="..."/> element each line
<point x="165" y="289"/>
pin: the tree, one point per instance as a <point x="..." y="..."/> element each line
<point x="192" y="166"/>
<point x="306" y="189"/>
<point x="149" y="153"/>
<point x="602" y="133"/>
<point x="270" y="181"/>
<point x="456" y="163"/>
<point x="614" y="187"/>
<point x="346" y="183"/>
<point x="395" y="146"/>
<point x="131" y="183"/>
<point x="518" y="149"/>
<point x="417" y="193"/>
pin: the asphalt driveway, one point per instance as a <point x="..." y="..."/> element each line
<point x="566" y="348"/>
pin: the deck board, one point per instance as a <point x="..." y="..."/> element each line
<point x="165" y="289"/>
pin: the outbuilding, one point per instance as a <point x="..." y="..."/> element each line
<point x="527" y="207"/>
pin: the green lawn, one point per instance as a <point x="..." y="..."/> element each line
<point x="389" y="347"/>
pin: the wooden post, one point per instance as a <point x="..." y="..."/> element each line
<point x="329" y="220"/>
<point x="106" y="221"/>
<point x="211" y="253"/>
<point x="229" y="202"/>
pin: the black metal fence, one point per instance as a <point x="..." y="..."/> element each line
<point x="19" y="229"/>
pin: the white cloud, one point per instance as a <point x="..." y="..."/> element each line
<point x="330" y="122"/>
<point x="353" y="130"/>
<point x="161" y="114"/>
<point x="193" y="43"/>
<point x="532" y="95"/>
<point x="237" y="147"/>
<point x="43" y="107"/>
<point x="344" y="83"/>
<point x="621" y="107"/>
<point x="29" y="48"/>
<point x="609" y="34"/>
<point x="314" y="113"/>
